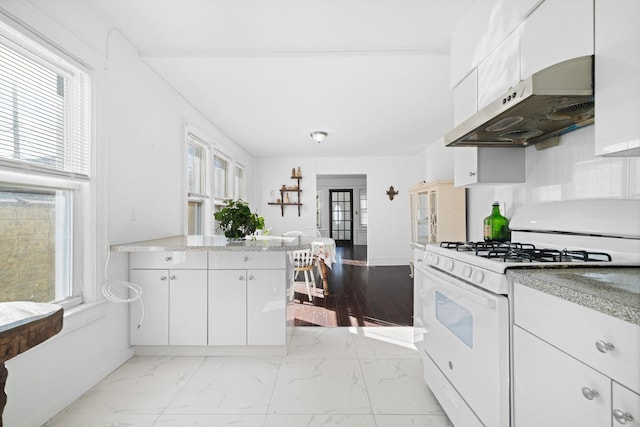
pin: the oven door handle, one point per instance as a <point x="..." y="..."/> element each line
<point x="459" y="286"/>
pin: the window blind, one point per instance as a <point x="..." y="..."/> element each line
<point x="44" y="113"/>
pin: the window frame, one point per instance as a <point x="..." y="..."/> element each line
<point x="194" y="137"/>
<point x="239" y="192"/>
<point x="81" y="183"/>
<point x="217" y="200"/>
<point x="361" y="192"/>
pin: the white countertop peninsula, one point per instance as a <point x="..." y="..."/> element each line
<point x="215" y="243"/>
<point x="206" y="295"/>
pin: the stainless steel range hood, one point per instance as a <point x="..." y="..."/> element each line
<point x="556" y="100"/>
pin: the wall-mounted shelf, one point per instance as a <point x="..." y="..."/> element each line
<point x="284" y="190"/>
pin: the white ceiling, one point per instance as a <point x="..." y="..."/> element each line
<point x="374" y="74"/>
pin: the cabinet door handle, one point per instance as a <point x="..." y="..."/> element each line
<point x="163" y="277"/>
<point x="604" y="347"/>
<point x="472" y="174"/>
<point x="172" y="277"/>
<point x="241" y="278"/>
<point x="168" y="258"/>
<point x="622" y="417"/>
<point x="251" y="277"/>
<point x="246" y="259"/>
<point x="589" y="394"/>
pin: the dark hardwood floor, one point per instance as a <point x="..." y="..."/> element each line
<point x="358" y="295"/>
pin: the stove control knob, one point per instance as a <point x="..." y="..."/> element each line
<point x="448" y="265"/>
<point x="478" y="276"/>
<point x="435" y="259"/>
<point x="466" y="271"/>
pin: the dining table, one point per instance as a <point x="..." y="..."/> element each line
<point x="324" y="248"/>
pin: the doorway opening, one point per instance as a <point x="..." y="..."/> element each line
<point x="342" y="213"/>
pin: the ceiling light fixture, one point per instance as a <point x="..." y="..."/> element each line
<point x="318" y="136"/>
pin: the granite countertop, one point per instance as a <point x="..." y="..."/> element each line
<point x="614" y="291"/>
<point x="216" y="243"/>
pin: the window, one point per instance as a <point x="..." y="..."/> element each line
<point x="220" y="168"/>
<point x="318" y="209"/>
<point x="45" y="161"/>
<point x="364" y="214"/>
<point x="197" y="184"/>
<point x="238" y="182"/>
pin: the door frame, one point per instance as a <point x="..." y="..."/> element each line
<point x="345" y="190"/>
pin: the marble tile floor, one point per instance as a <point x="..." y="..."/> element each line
<point x="347" y="377"/>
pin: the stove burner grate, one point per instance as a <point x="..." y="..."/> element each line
<point x="525" y="252"/>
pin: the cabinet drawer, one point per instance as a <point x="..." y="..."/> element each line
<point x="168" y="260"/>
<point x="579" y="331"/>
<point x="247" y="260"/>
<point x="548" y="386"/>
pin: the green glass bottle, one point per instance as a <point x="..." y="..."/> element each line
<point x="496" y="227"/>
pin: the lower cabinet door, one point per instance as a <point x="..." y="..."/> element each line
<point x="227" y="307"/>
<point x="266" y="307"/>
<point x="554" y="389"/>
<point x="187" y="307"/>
<point x="626" y="406"/>
<point x="153" y="327"/>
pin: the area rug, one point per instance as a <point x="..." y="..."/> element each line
<point x="353" y="262"/>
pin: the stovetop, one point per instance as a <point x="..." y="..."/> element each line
<point x="484" y="264"/>
<point x="525" y="252"/>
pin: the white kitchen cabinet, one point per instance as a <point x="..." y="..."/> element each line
<point x="481" y="29"/>
<point x="556" y="31"/>
<point x="562" y="353"/>
<point x="465" y="98"/>
<point x="154" y="329"/>
<point x="499" y="71"/>
<point x="438" y="212"/>
<point x="626" y="406"/>
<point x="549" y="387"/>
<point x="474" y="165"/>
<point x="247" y="298"/>
<point x="617" y="77"/>
<point x="227" y="307"/>
<point x="266" y="307"/>
<point x="174" y="290"/>
<point x="175" y="310"/>
<point x="493" y="165"/>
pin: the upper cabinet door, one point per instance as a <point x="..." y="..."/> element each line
<point x="617" y="77"/>
<point x="556" y="31"/>
<point x="499" y="71"/>
<point x="465" y="98"/>
<point x="481" y="30"/>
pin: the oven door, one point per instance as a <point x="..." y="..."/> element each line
<point x="467" y="338"/>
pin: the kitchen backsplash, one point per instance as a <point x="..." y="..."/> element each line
<point x="567" y="171"/>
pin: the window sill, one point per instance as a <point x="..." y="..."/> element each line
<point x="83" y="315"/>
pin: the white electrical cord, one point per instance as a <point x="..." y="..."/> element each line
<point x="108" y="293"/>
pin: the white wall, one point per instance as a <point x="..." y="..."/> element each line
<point x="140" y="194"/>
<point x="389" y="231"/>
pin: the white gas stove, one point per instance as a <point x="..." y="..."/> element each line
<point x="465" y="296"/>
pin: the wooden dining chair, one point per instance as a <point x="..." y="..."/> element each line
<point x="302" y="260"/>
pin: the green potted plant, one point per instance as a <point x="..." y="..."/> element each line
<point x="237" y="220"/>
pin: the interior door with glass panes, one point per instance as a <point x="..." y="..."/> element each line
<point x="341" y="224"/>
